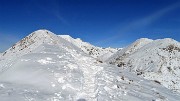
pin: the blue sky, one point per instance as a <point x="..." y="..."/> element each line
<point x="105" y="23"/>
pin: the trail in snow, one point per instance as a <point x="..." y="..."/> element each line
<point x="89" y="83"/>
<point x="89" y="73"/>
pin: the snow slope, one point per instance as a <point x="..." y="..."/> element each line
<point x="54" y="69"/>
<point x="92" y="50"/>
<point x="155" y="60"/>
<point x="123" y="53"/>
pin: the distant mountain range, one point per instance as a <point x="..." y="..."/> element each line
<point x="44" y="66"/>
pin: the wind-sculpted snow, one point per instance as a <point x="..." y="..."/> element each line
<point x="57" y="70"/>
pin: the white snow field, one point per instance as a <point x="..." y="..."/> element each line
<point x="48" y="67"/>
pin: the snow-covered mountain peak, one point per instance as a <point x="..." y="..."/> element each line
<point x="155" y="60"/>
<point x="143" y="40"/>
<point x="31" y="42"/>
<point x="42" y="33"/>
<point x="132" y="48"/>
<point x="137" y="45"/>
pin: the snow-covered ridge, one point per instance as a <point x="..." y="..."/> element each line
<point x="39" y="37"/>
<point x="155" y="60"/>
<point x="88" y="48"/>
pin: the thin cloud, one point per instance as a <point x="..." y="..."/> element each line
<point x="142" y="22"/>
<point x="58" y="15"/>
<point x="52" y="8"/>
<point x="56" y="12"/>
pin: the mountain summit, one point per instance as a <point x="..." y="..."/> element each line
<point x="154" y="60"/>
<point x="31" y="42"/>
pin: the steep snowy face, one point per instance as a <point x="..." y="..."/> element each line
<point x="30" y="42"/>
<point x="92" y="50"/>
<point x="158" y="60"/>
